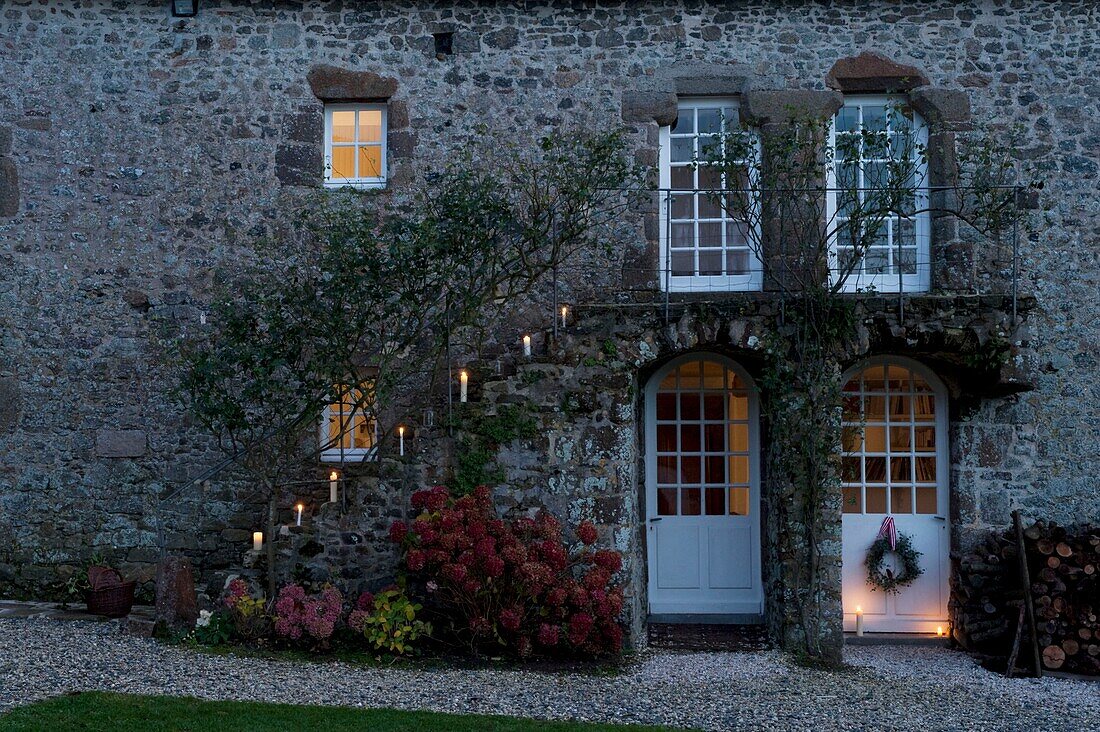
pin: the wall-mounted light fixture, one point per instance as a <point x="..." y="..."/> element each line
<point x="185" y="8"/>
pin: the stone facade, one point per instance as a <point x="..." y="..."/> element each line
<point x="139" y="153"/>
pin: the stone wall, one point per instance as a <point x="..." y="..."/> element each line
<point x="146" y="152"/>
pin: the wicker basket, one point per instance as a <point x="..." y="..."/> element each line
<point x="112" y="602"/>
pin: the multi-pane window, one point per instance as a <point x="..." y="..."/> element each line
<point x="878" y="197"/>
<point x="891" y="443"/>
<point x="702" y="417"/>
<point x="355" y="145"/>
<point x="705" y="242"/>
<point x="348" y="428"/>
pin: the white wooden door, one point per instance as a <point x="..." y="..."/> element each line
<point x="703" y="490"/>
<point x="895" y="464"/>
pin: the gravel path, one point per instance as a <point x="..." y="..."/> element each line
<point x="889" y="688"/>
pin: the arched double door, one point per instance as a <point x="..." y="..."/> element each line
<point x="703" y="489"/>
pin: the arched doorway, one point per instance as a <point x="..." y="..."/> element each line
<point x="703" y="490"/>
<point x="895" y="463"/>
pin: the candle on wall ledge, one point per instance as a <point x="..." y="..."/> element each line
<point x="463" y="384"/>
<point x="564" y="314"/>
<point x="859" y="620"/>
<point x="527" y="346"/>
<point x="939" y="631"/>
<point x="401" y="440"/>
<point x="257" y="541"/>
<point x="333" y="477"/>
<point x="298" y="518"/>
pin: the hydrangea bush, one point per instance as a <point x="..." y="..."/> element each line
<point x="307" y="619"/>
<point x="512" y="582"/>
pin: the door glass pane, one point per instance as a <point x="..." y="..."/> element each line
<point x="713" y="407"/>
<point x="715" y="469"/>
<point x="715" y="435"/>
<point x="714" y="378"/>
<point x="739" y="407"/>
<point x="901" y="499"/>
<point x="901" y="469"/>
<point x="739" y="501"/>
<point x="666" y="501"/>
<point x="716" y="501"/>
<point x="926" y="469"/>
<point x="689" y="438"/>
<point x="690" y="470"/>
<point x="739" y="437"/>
<point x="876" y="499"/>
<point x="666" y="438"/>
<point x="852" y="500"/>
<point x="666" y="469"/>
<point x="739" y="469"/>
<point x="689" y="403"/>
<point x="926" y="500"/>
<point x="666" y="405"/>
<point x="899" y="439"/>
<point x="689" y="502"/>
<point x="874" y="469"/>
<point x="875" y="437"/>
<point x="924" y="438"/>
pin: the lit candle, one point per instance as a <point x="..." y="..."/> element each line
<point x="859" y="620"/>
<point x="257" y="540"/>
<point x="564" y="314"/>
<point x="527" y="346"/>
<point x="463" y="383"/>
<point x="333" y="477"/>
<point x="401" y="440"/>
<point x="939" y="631"/>
<point x="298" y="508"/>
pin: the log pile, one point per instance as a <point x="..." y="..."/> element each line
<point x="1064" y="568"/>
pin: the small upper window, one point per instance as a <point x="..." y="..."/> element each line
<point x="355" y="145"/>
<point x="348" y="428"/>
<point x="878" y="238"/>
<point x="705" y="243"/>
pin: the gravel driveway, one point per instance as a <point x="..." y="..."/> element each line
<point x="889" y="688"/>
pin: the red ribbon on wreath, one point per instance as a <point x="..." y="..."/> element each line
<point x="889" y="532"/>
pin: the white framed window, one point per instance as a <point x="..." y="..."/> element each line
<point x="704" y="245"/>
<point x="872" y="138"/>
<point x="894" y="437"/>
<point x="348" y="431"/>
<point x="355" y="145"/>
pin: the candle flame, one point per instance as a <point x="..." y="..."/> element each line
<point x="526" y="340"/>
<point x="334" y="475"/>
<point x="564" y="310"/>
<point x="859" y="609"/>
<point x="462" y="375"/>
<point x="401" y="431"/>
<point x="299" y="507"/>
<point x="939" y="630"/>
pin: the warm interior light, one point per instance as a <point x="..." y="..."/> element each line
<point x="334" y="475"/>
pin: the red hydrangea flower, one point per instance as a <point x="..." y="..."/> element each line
<point x="510" y="619"/>
<point x="365" y="601"/>
<point x="453" y="572"/>
<point x="415" y="560"/>
<point x="609" y="560"/>
<point x="580" y="626"/>
<point x="494" y="566"/>
<point x="587" y="533"/>
<point x="398" y="532"/>
<point x="548" y="635"/>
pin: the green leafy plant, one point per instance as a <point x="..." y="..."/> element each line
<point x="212" y="628"/>
<point x="389" y="623"/>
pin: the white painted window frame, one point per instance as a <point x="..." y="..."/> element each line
<point x="750" y="282"/>
<point x="921" y="280"/>
<point x="358" y="182"/>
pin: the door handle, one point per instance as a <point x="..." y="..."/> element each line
<point x="655" y="519"/>
<point x="940" y="518"/>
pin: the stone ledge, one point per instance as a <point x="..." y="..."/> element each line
<point x="333" y="84"/>
<point x="873" y="72"/>
<point x="785" y="105"/>
<point x="650" y="106"/>
<point x="942" y="107"/>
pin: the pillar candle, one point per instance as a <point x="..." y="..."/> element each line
<point x="859" y="620"/>
<point x="332" y="483"/>
<point x="401" y="440"/>
<point x="564" y="313"/>
<point x="257" y="540"/>
<point x="463" y="383"/>
<point x="298" y="508"/>
<point x="527" y="346"/>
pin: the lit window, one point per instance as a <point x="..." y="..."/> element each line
<point x="878" y="149"/>
<point x="348" y="428"/>
<point x="705" y="244"/>
<point x="355" y="145"/>
<point x="894" y="446"/>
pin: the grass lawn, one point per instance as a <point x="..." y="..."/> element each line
<point x="99" y="711"/>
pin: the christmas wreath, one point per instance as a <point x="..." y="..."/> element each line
<point x="883" y="577"/>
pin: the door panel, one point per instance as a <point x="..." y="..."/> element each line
<point x="731" y="561"/>
<point x="678" y="561"/>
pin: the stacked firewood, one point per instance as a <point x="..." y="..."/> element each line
<point x="1064" y="572"/>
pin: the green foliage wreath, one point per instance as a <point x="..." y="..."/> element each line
<point x="883" y="577"/>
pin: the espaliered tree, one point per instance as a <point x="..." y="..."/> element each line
<point x="816" y="213"/>
<point x="358" y="300"/>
